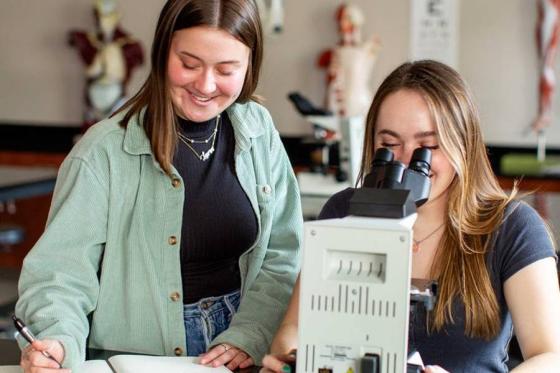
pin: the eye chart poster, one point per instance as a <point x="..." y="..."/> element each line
<point x="434" y="30"/>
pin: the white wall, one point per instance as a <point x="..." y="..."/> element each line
<point x="41" y="77"/>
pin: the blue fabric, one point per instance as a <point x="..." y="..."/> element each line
<point x="206" y="319"/>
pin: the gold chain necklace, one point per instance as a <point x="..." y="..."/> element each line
<point x="416" y="243"/>
<point x="203" y="155"/>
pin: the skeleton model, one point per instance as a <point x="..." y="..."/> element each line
<point x="109" y="55"/>
<point x="547" y="41"/>
<point x="349" y="65"/>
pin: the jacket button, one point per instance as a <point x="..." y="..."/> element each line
<point x="175" y="296"/>
<point x="178" y="351"/>
<point x="172" y="240"/>
<point x="176" y="183"/>
<point x="266" y="189"/>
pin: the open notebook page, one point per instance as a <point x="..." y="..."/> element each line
<point x="167" y="364"/>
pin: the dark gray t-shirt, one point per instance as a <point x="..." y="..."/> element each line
<point x="521" y="239"/>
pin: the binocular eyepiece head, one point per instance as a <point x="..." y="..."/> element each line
<point x="420" y="161"/>
<point x="386" y="173"/>
<point x="391" y="189"/>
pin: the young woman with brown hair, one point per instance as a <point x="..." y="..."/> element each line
<point x="492" y="256"/>
<point x="176" y="224"/>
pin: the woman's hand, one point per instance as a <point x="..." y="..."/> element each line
<point x="282" y="350"/>
<point x="228" y="355"/>
<point x="278" y="363"/>
<point x="33" y="360"/>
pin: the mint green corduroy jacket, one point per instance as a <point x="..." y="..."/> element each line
<point x="105" y="270"/>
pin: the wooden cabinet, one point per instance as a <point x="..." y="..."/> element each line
<point x="30" y="213"/>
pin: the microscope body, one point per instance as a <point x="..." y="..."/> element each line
<point x="355" y="281"/>
<point x="354" y="295"/>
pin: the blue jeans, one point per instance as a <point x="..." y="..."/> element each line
<point x="207" y="318"/>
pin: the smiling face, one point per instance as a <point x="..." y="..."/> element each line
<point x="403" y="124"/>
<point x="206" y="71"/>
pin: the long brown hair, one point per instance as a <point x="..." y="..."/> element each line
<point x="239" y="18"/>
<point x="476" y="202"/>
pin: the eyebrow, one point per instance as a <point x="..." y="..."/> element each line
<point x="419" y="135"/>
<point x="228" y="62"/>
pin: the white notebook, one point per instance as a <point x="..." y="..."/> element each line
<point x="140" y="364"/>
<point x="167" y="364"/>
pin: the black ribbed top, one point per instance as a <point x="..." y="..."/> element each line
<point x="219" y="223"/>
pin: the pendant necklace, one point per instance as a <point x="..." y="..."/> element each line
<point x="203" y="155"/>
<point x="416" y="243"/>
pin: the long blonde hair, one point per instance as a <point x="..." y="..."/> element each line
<point x="476" y="202"/>
<point x="239" y="18"/>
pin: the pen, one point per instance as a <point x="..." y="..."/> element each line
<point x="29" y="337"/>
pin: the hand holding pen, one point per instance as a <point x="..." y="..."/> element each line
<point x="39" y="354"/>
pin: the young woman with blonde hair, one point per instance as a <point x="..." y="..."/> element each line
<point x="492" y="256"/>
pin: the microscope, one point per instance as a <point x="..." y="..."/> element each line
<point x="356" y="288"/>
<point x="336" y="156"/>
<point x="346" y="133"/>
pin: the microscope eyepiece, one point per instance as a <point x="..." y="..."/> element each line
<point x="382" y="156"/>
<point x="421" y="160"/>
<point x="394" y="174"/>
<point x="381" y="159"/>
